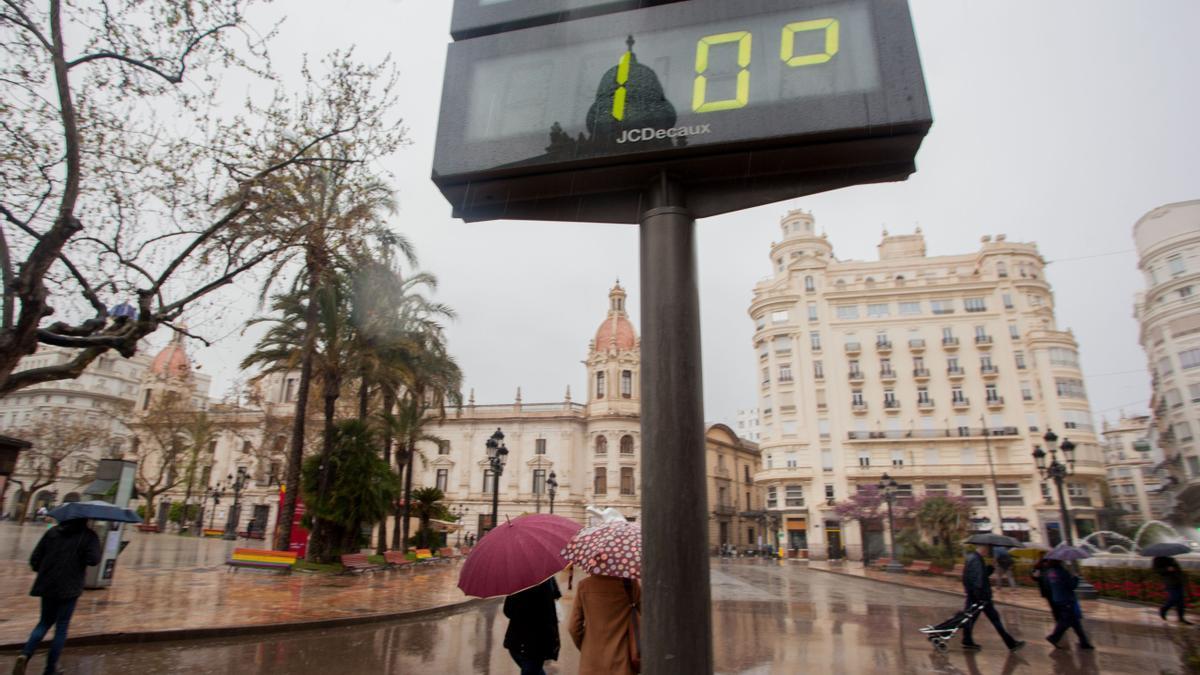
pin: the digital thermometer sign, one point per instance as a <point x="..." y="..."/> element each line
<point x="473" y="18"/>
<point x="747" y="103"/>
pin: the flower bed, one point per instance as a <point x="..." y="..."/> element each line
<point x="1124" y="583"/>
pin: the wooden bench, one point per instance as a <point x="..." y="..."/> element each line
<point x="448" y="554"/>
<point x="956" y="572"/>
<point x="357" y="562"/>
<point x="147" y="527"/>
<point x="252" y="534"/>
<point x="213" y="533"/>
<point x="881" y="563"/>
<point x="919" y="567"/>
<point x="280" y="561"/>
<point x="397" y="559"/>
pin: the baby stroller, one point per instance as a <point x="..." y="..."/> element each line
<point x="941" y="634"/>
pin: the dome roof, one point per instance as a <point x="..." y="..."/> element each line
<point x="616" y="326"/>
<point x="172" y="361"/>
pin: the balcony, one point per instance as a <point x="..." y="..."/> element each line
<point x="883" y="346"/>
<point x="887" y="375"/>
<point x="859" y="408"/>
<point x="891" y="405"/>
<point x="853" y="347"/>
<point x="955" y="372"/>
<point x="920" y="373"/>
<point x="983" y="341"/>
<point x="961" y="403"/>
<point x="856" y="376"/>
<point x="995" y="402"/>
<point x="950" y="342"/>
<point x="916" y="345"/>
<point x="925" y="403"/>
<point x="724" y="510"/>
<point x="989" y="372"/>
<point x="925" y="434"/>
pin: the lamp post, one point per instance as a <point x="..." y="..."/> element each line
<point x="215" y="494"/>
<point x="460" y="512"/>
<point x="1058" y="472"/>
<point x="237" y="484"/>
<point x="497" y="455"/>
<point x="552" y="488"/>
<point x="887" y="486"/>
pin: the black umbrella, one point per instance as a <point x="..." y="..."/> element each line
<point x="990" y="539"/>
<point x="94" y="510"/>
<point x="1165" y="548"/>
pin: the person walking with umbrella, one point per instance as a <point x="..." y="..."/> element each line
<point x="60" y="559"/>
<point x="1176" y="586"/>
<point x="605" y="620"/>
<point x="978" y="586"/>
<point x="1062" y="584"/>
<point x="532" y="635"/>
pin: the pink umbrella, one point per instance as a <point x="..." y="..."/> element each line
<point x="518" y="554"/>
<point x="613" y="549"/>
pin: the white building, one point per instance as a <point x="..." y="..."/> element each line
<point x="942" y="371"/>
<point x="1130" y="460"/>
<point x="747" y="424"/>
<point x="1168" y="245"/>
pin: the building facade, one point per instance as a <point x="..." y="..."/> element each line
<point x="943" y="371"/>
<point x="1168" y="312"/>
<point x="737" y="519"/>
<point x="747" y="424"/>
<point x="1134" y="483"/>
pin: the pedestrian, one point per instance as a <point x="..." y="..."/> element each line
<point x="604" y="625"/>
<point x="1176" y="586"/>
<point x="1067" y="612"/>
<point x="532" y="635"/>
<point x="41" y="513"/>
<point x="1038" y="574"/>
<point x="1004" y="567"/>
<point x="978" y="585"/>
<point x="60" y="560"/>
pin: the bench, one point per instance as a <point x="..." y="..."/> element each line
<point x="397" y="559"/>
<point x="252" y="534"/>
<point x="881" y="563"/>
<point x="213" y="533"/>
<point x="448" y="554"/>
<point x="147" y="527"/>
<point x="357" y="562"/>
<point x="280" y="561"/>
<point x="956" y="572"/>
<point x="919" y="567"/>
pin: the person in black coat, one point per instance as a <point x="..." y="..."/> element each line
<point x="532" y="635"/>
<point x="60" y="559"/>
<point x="978" y="585"/>
<point x="1067" y="614"/>
<point x="1176" y="586"/>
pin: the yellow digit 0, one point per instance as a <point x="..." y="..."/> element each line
<point x="700" y="88"/>
<point x="787" y="46"/>
<point x="622" y="77"/>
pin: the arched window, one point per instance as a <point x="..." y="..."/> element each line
<point x="627" y="445"/>
<point x="810" y="285"/>
<point x="600" y="483"/>
<point x="601" y="445"/>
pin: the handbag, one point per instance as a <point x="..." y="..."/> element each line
<point x="635" y="633"/>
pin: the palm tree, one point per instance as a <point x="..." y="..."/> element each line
<point x="427" y="505"/>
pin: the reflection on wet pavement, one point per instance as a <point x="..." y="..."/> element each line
<point x="768" y="618"/>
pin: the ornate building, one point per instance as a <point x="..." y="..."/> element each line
<point x="943" y="371"/>
<point x="1134" y="484"/>
<point x="1168" y="246"/>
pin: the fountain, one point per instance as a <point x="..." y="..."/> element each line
<point x="1125" y="553"/>
<point x="1137" y="536"/>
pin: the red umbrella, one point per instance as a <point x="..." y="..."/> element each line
<point x="612" y="549"/>
<point x="518" y="554"/>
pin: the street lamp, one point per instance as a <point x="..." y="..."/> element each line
<point x="552" y="488"/>
<point x="237" y="485"/>
<point x="497" y="455"/>
<point x="1058" y="472"/>
<point x="887" y="486"/>
<point x="215" y="494"/>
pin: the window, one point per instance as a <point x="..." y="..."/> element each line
<point x="1019" y="357"/>
<point x="1164" y="366"/>
<point x="952" y="364"/>
<point x="443" y="447"/>
<point x="1068" y="387"/>
<point x="760" y="322"/>
<point x="443" y="478"/>
<point x="923" y="395"/>
<point x="956" y="394"/>
<point x="780" y="316"/>
<point x="937" y="490"/>
<point x="1046" y="495"/>
<point x="1061" y="356"/>
<point x="1010" y="494"/>
<point x="772" y="497"/>
<point x="145" y="400"/>
<point x="1185" y="292"/>
<point x="627" y="445"/>
<point x="783" y="344"/>
<point x="904" y="491"/>
<point x="877" y="310"/>
<point x="847" y="312"/>
<point x="601" y="445"/>
<point x="247" y="447"/>
<point x="1026" y="391"/>
<point x="626" y="384"/>
<point x="973" y="493"/>
<point x="1031" y="421"/>
<point x="815" y="340"/>
<point x="1189" y="359"/>
<point x="627" y="487"/>
<point x="856" y="397"/>
<point x="942" y="306"/>
<point x="910" y="308"/>
<point x="599" y="385"/>
<point x="785" y="373"/>
<point x="1013" y="331"/>
<point x="1078" y="494"/>
<point x="600" y="481"/>
<point x="539" y="446"/>
<point x="812" y="311"/>
<point x="1193" y="464"/>
<point x="766" y="376"/>
<point x="1008" y="301"/>
<point x="794" y="495"/>
<point x="853" y="367"/>
<point x="1183" y="431"/>
<point x="985" y="363"/>
<point x="898" y="458"/>
<point x="889" y="397"/>
<point x="1194" y="392"/>
<point x="488" y="480"/>
<point x="818" y="370"/>
<point x="829" y="494"/>
<point x="746" y="473"/>
<point x="885" y="367"/>
<point x="763" y="351"/>
<point x="947" y="333"/>
<point x="1001" y="269"/>
<point x="975" y="305"/>
<point x="289" y="390"/>
<point x="1175" y="265"/>
<point x="864" y="458"/>
<point x="809" y="284"/>
<point x="826" y="460"/>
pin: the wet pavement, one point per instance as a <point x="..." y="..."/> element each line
<point x="768" y="618"/>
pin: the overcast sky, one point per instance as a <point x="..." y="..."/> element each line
<point x="1055" y="122"/>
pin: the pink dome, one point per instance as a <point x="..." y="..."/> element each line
<point x="616" y="325"/>
<point x="172" y="361"/>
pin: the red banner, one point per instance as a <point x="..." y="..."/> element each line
<point x="298" y="543"/>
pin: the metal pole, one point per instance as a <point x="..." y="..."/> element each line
<point x="987" y="444"/>
<point x="495" y="495"/>
<point x="1062" y="509"/>
<point x="677" y="623"/>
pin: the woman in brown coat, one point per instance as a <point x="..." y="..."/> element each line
<point x="599" y="625"/>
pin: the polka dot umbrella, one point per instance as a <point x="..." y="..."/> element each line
<point x="612" y="549"/>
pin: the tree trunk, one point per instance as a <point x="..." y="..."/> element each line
<point x="364" y="396"/>
<point x="382" y="544"/>
<point x="407" y="492"/>
<point x="296" y="459"/>
<point x="326" y="536"/>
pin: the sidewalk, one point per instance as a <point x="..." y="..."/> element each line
<point x="1104" y="609"/>
<point x="155" y="602"/>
